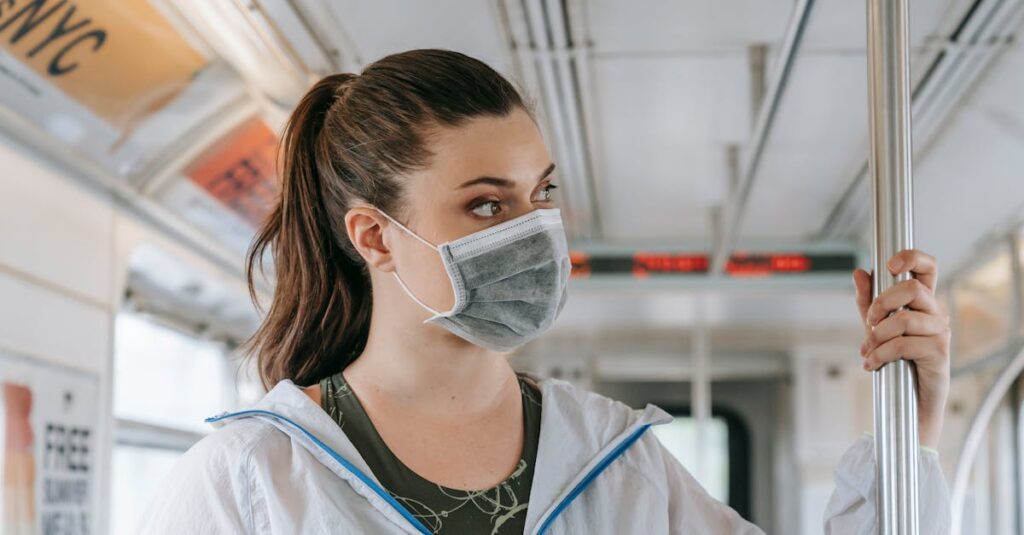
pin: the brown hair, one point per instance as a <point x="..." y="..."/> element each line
<point x="349" y="139"/>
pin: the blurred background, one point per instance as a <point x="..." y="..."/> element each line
<point x="713" y="160"/>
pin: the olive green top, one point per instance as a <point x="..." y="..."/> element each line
<point x="498" y="510"/>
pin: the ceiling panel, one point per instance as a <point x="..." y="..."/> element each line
<point x="671" y="87"/>
<point x="385" y="27"/>
<point x="842" y="24"/>
<point x="816" y="145"/>
<point x="661" y="148"/>
<point x="660" y="26"/>
<point x="819" y="140"/>
<point x="977" y="161"/>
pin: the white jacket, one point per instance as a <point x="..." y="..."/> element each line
<point x="286" y="467"/>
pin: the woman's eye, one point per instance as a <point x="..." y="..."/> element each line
<point x="545" y="194"/>
<point x="487" y="209"/>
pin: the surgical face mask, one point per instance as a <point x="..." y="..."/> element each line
<point x="509" y="280"/>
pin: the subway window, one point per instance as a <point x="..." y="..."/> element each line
<point x="983" y="301"/>
<point x="710" y="466"/>
<point x="167" y="379"/>
<point x="151" y="363"/>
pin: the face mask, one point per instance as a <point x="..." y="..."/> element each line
<point x="509" y="280"/>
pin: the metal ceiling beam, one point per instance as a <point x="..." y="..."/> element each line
<point x="733" y="210"/>
<point x="581" y="61"/>
<point x="275" y="38"/>
<point x="986" y="30"/>
<point x="554" y="62"/>
<point x="700" y="387"/>
<point x="343" y="57"/>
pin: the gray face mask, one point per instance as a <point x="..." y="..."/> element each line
<point x="509" y="280"/>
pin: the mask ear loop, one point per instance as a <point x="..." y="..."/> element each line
<point x="401" y="283"/>
<point x="413" y="234"/>
<point x="414" y="298"/>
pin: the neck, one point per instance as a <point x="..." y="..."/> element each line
<point x="427" y="370"/>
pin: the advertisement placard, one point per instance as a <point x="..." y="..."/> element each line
<point x="48" y="421"/>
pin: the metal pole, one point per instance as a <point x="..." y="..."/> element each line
<point x="895" y="396"/>
<point x="701" y="388"/>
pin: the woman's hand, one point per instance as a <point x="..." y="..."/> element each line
<point x="920" y="334"/>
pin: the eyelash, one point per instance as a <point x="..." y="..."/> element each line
<point x="548" y="188"/>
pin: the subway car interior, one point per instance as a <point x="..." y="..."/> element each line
<point x="715" y="170"/>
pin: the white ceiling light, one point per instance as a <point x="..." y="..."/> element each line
<point x="240" y="32"/>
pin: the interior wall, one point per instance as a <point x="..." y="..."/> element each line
<point x="57" y="280"/>
<point x="831" y="409"/>
<point x="64" y="254"/>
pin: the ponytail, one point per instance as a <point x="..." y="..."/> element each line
<point x="349" y="139"/>
<point x="322" y="302"/>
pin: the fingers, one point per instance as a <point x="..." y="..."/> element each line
<point x="914" y="348"/>
<point x="862" y="280"/>
<point x="904" y="323"/>
<point x="918" y="332"/>
<point x="923" y="266"/>
<point x="912" y="293"/>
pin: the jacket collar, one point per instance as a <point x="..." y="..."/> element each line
<point x="579" y="429"/>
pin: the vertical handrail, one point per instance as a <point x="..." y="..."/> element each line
<point x="700" y="393"/>
<point x="895" y="397"/>
<point x="975" y="436"/>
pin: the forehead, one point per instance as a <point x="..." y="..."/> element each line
<point x="500" y="146"/>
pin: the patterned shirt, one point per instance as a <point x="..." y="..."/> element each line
<point x="499" y="510"/>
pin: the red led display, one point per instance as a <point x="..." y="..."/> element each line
<point x="646" y="264"/>
<point x="580" y="264"/>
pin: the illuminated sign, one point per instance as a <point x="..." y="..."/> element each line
<point x="239" y="170"/>
<point x="121" y="59"/>
<point x="646" y="264"/>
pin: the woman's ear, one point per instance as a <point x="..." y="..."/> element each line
<point x="365" y="227"/>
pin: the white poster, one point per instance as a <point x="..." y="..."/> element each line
<point x="49" y="416"/>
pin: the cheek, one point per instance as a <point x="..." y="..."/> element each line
<point x="423" y="272"/>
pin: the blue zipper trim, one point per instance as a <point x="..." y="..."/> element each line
<point x="591" y="475"/>
<point x="337" y="457"/>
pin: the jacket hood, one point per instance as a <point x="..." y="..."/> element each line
<point x="580" y="433"/>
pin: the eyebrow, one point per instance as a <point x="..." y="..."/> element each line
<point x="503" y="182"/>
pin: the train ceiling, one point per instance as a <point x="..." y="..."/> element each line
<point x="651" y="107"/>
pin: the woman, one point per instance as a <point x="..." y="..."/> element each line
<point x="415" y="243"/>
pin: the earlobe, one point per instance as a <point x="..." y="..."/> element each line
<point x="365" y="229"/>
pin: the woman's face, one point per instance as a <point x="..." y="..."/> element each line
<point x="489" y="170"/>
